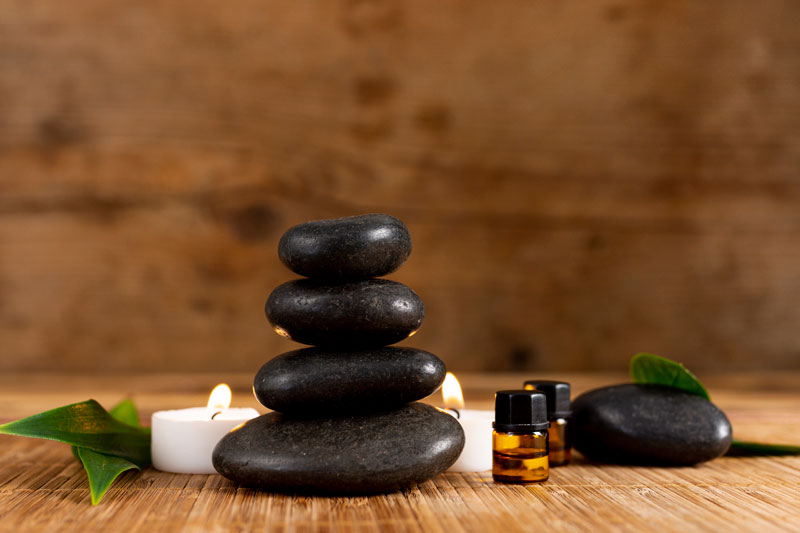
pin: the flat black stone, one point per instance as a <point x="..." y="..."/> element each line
<point x="348" y="455"/>
<point x="359" y="247"/>
<point x="368" y="313"/>
<point x="648" y="425"/>
<point x="316" y="380"/>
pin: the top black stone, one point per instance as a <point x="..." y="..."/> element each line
<point x="557" y="392"/>
<point x="350" y="248"/>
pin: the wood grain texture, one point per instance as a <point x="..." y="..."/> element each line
<point x="43" y="488"/>
<point x="581" y="181"/>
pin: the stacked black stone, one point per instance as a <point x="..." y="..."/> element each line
<point x="346" y="418"/>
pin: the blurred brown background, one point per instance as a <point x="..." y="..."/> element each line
<point x="582" y="180"/>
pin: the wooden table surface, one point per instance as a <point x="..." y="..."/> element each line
<point x="43" y="488"/>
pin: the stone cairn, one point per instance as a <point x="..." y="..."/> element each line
<point x="346" y="420"/>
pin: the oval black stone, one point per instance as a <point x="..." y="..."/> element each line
<point x="346" y="455"/>
<point x="648" y="425"/>
<point x="359" y="247"/>
<point x="316" y="380"/>
<point x="368" y="313"/>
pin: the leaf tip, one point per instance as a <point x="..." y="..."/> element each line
<point x="651" y="368"/>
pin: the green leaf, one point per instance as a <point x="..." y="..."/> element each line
<point x="87" y="425"/>
<point x="106" y="443"/>
<point x="740" y="448"/>
<point x="126" y="413"/>
<point x="102" y="470"/>
<point x="651" y="369"/>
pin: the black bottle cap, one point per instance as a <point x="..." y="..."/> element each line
<point x="557" y="393"/>
<point x="520" y="411"/>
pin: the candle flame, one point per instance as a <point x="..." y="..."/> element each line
<point x="220" y="397"/>
<point x="451" y="392"/>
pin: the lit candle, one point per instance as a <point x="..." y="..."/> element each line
<point x="182" y="440"/>
<point x="477" y="425"/>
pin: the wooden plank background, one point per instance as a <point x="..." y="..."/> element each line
<point x="582" y="180"/>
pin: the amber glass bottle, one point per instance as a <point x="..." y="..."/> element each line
<point x="558" y="413"/>
<point x="519" y="441"/>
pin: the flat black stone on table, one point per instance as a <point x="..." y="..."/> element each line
<point x="358" y="247"/>
<point x="317" y="380"/>
<point x="361" y="454"/>
<point x="367" y="313"/>
<point x="648" y="425"/>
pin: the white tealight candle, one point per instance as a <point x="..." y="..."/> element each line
<point x="182" y="440"/>
<point x="477" y="426"/>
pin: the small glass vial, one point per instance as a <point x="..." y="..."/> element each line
<point x="558" y="413"/>
<point x="519" y="440"/>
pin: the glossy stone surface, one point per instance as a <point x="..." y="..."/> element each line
<point x="368" y="313"/>
<point x="316" y="380"/>
<point x="357" y="247"/>
<point x="648" y="425"/>
<point x="347" y="455"/>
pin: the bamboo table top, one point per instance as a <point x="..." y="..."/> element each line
<point x="43" y="488"/>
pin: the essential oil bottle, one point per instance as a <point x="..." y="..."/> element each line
<point x="558" y="413"/>
<point x="519" y="440"/>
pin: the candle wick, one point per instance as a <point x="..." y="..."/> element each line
<point x="458" y="415"/>
<point x="215" y="414"/>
